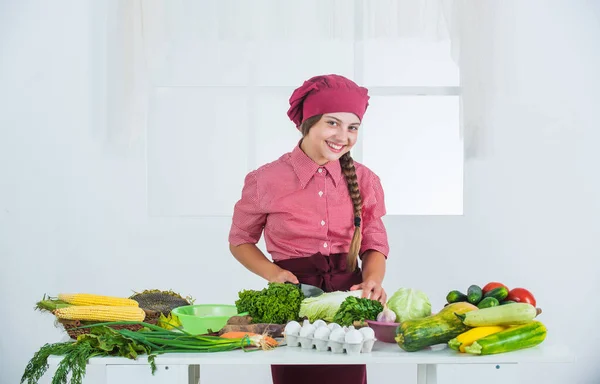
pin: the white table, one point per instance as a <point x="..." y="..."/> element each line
<point x="185" y="368"/>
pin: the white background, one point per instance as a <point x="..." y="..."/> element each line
<point x="74" y="208"/>
<point x="220" y="74"/>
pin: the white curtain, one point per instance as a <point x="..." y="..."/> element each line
<point x="470" y="27"/>
<point x="138" y="29"/>
<point x="127" y="81"/>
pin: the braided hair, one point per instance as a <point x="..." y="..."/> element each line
<point x="349" y="171"/>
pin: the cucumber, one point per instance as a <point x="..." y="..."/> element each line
<point x="474" y="294"/>
<point x="455" y="297"/>
<point x="511" y="339"/>
<point x="499" y="293"/>
<point x="488" y="302"/>
<point x="507" y="302"/>
<point x="514" y="314"/>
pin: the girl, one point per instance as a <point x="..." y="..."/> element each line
<point x="320" y="211"/>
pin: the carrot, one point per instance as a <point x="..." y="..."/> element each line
<point x="273" y="330"/>
<point x="262" y="341"/>
<point x="237" y="335"/>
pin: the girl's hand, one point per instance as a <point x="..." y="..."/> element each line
<point x="281" y="275"/>
<point x="372" y="290"/>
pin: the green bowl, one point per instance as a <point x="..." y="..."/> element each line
<point x="200" y="318"/>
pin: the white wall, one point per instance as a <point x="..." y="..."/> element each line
<point x="73" y="209"/>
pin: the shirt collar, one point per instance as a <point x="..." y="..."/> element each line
<point x="306" y="168"/>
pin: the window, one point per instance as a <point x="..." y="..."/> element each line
<point x="222" y="72"/>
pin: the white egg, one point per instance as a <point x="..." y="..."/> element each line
<point x="367" y="332"/>
<point x="305" y="322"/>
<point x="337" y="335"/>
<point x="334" y="326"/>
<point x="319" y="323"/>
<point x="322" y="333"/>
<point x="292" y="328"/>
<point x="353" y="337"/>
<point x="307" y="330"/>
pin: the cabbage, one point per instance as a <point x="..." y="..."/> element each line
<point x="325" y="305"/>
<point x="409" y="304"/>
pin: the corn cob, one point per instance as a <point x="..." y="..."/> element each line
<point x="101" y="313"/>
<point x="91" y="299"/>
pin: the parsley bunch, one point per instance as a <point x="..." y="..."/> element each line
<point x="276" y="304"/>
<point x="357" y="309"/>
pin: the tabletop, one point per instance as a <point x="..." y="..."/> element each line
<point x="382" y="353"/>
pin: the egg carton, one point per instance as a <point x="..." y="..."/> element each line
<point x="329" y="340"/>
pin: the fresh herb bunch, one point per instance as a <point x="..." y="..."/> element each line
<point x="102" y="340"/>
<point x="276" y="304"/>
<point x="357" y="309"/>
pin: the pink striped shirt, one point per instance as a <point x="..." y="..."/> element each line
<point x="305" y="208"/>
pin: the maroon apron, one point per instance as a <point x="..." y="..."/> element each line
<point x="328" y="273"/>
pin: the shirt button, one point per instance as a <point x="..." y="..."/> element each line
<point x="325" y="245"/>
<point x="320" y="170"/>
<point x="322" y="222"/>
<point x="320" y="193"/>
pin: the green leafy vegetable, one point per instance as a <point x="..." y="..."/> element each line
<point x="168" y="322"/>
<point x="279" y="303"/>
<point x="326" y="305"/>
<point x="101" y="341"/>
<point x="105" y="341"/>
<point x="409" y="304"/>
<point x="357" y="309"/>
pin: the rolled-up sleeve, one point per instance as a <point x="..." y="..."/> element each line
<point x="248" y="217"/>
<point x="374" y="234"/>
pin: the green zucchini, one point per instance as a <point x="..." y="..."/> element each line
<point x="511" y="339"/>
<point x="488" y="302"/>
<point x="416" y="334"/>
<point x="474" y="294"/>
<point x="499" y="293"/>
<point x="514" y="314"/>
<point x="455" y="297"/>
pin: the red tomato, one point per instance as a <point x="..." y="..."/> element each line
<point x="521" y="295"/>
<point x="489" y="286"/>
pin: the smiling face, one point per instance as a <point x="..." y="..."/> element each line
<point x="330" y="137"/>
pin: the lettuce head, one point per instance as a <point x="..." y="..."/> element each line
<point x="326" y="305"/>
<point x="409" y="304"/>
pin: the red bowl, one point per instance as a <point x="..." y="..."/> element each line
<point x="385" y="332"/>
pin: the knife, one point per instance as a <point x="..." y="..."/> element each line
<point x="308" y="290"/>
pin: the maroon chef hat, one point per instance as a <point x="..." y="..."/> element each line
<point x="327" y="94"/>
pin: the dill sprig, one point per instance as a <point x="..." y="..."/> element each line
<point x="105" y="341"/>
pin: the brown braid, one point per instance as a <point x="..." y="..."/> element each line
<point x="349" y="171"/>
<point x="347" y="164"/>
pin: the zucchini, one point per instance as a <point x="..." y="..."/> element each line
<point x="488" y="302"/>
<point x="413" y="335"/>
<point x="455" y="297"/>
<point x="514" y="314"/>
<point x="511" y="339"/>
<point x="499" y="293"/>
<point x="474" y="294"/>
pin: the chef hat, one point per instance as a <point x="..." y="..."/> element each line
<point x="327" y="94"/>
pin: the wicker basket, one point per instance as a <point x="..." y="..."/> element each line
<point x="70" y="325"/>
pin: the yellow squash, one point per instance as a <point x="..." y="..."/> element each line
<point x="467" y="338"/>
